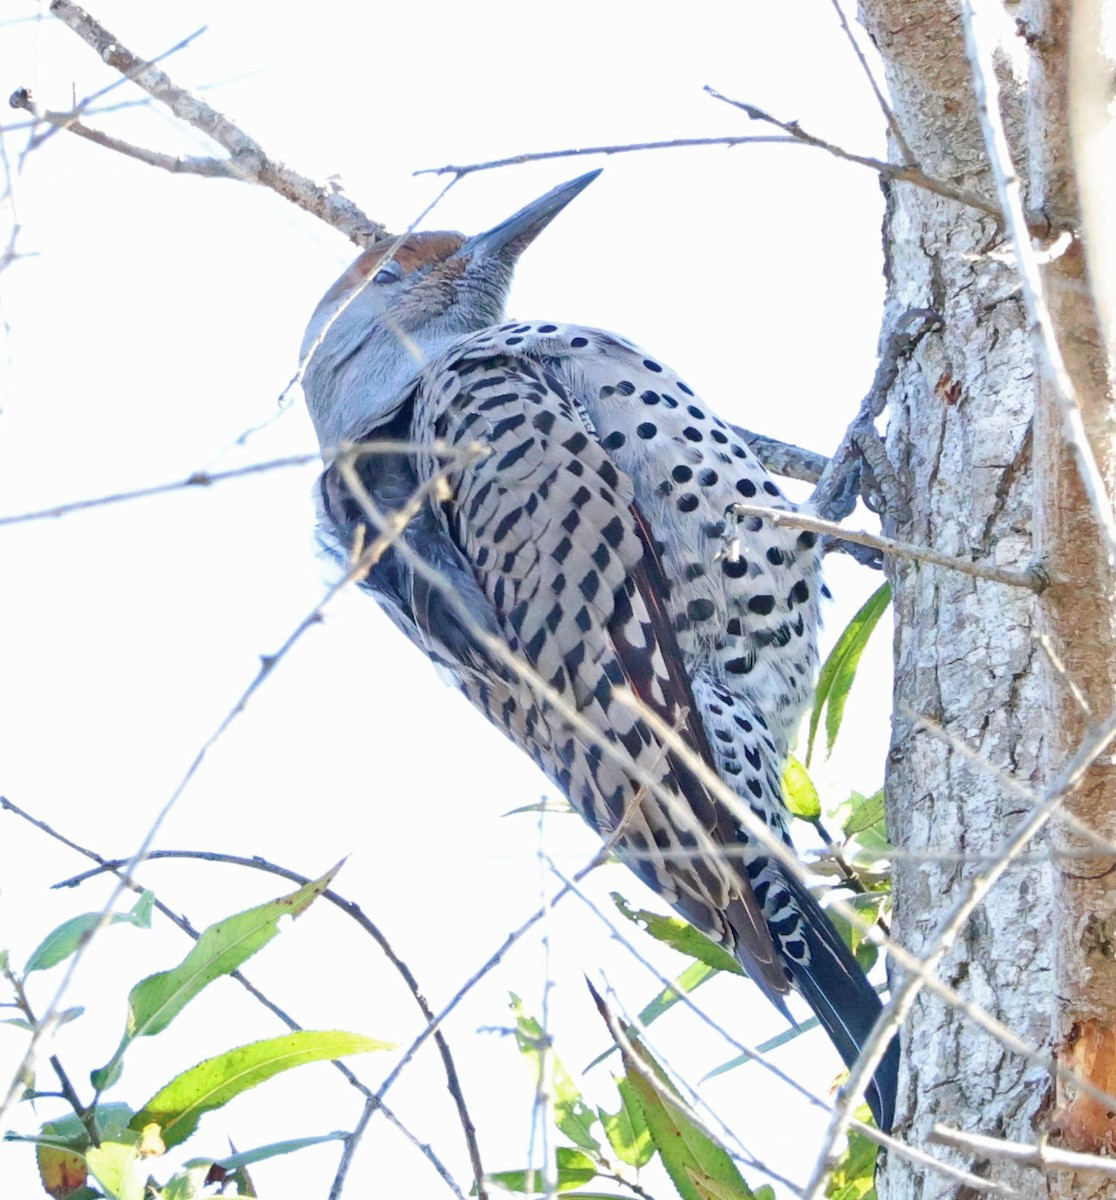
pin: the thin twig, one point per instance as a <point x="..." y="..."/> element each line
<point x="1059" y="668"/>
<point x="1042" y="222"/>
<point x="197" y="479"/>
<point x="1009" y="186"/>
<point x="1035" y="579"/>
<point x="247" y="157"/>
<point x="211" y="168"/>
<point x="1042" y="1155"/>
<point x="1102" y="847"/>
<point x="685" y="999"/>
<point x="881" y="99"/>
<point x="459" y="170"/>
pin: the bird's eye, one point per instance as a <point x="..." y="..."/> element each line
<point x="390" y="272"/>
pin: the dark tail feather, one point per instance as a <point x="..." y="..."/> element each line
<point x="843" y="1000"/>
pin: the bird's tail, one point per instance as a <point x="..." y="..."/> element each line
<point x="832" y="983"/>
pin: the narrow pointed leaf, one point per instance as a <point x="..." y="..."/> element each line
<point x="155" y="1001"/>
<point x="799" y="792"/>
<point x="571" y="1114"/>
<point x="60" y="943"/>
<point x="773" y="1043"/>
<point x="839" y="670"/>
<point x="178" y="1107"/>
<point x="245" y="1158"/>
<point x="680" y="935"/>
<point x="690" y="980"/>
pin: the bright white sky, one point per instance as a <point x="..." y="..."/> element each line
<point x="161" y="317"/>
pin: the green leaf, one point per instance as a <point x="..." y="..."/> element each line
<point x="799" y="792"/>
<point x="690" y="980"/>
<point x="572" y="1170"/>
<point x="839" y="670"/>
<point x="698" y="1166"/>
<point x="60" y="943"/>
<point x="627" y="1131"/>
<point x="245" y="1158"/>
<point x="680" y="935"/>
<point x="854" y="1176"/>
<point x="864" y="812"/>
<point x="780" y="1039"/>
<point x="186" y="1184"/>
<point x="155" y="1001"/>
<point x="178" y="1107"/>
<point x="114" y="1164"/>
<point x="571" y="1114"/>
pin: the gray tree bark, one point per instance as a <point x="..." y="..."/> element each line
<point x="976" y="438"/>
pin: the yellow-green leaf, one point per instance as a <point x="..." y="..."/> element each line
<point x="155" y="1001"/>
<point x="572" y="1169"/>
<point x="61" y="942"/>
<point x="681" y="935"/>
<point x="571" y="1114"/>
<point x="627" y="1130"/>
<point x="799" y="792"/>
<point x="178" y="1107"/>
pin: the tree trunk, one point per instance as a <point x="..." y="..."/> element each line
<point x="976" y="440"/>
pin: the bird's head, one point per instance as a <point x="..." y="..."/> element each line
<point x="404" y="301"/>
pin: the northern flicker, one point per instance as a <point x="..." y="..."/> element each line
<point x="587" y="531"/>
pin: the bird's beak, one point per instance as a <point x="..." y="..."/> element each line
<point x="511" y="237"/>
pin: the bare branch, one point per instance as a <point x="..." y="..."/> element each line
<point x="197" y="479"/>
<point x="881" y="99"/>
<point x="248" y="160"/>
<point x="1043" y="223"/>
<point x="1043" y="1156"/>
<point x="1033" y="580"/>
<point x="784" y="458"/>
<point x="516" y="160"/>
<point x="213" y="168"/>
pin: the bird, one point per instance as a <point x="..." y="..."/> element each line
<point x="557" y="534"/>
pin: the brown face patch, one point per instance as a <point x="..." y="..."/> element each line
<point x="417" y="250"/>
